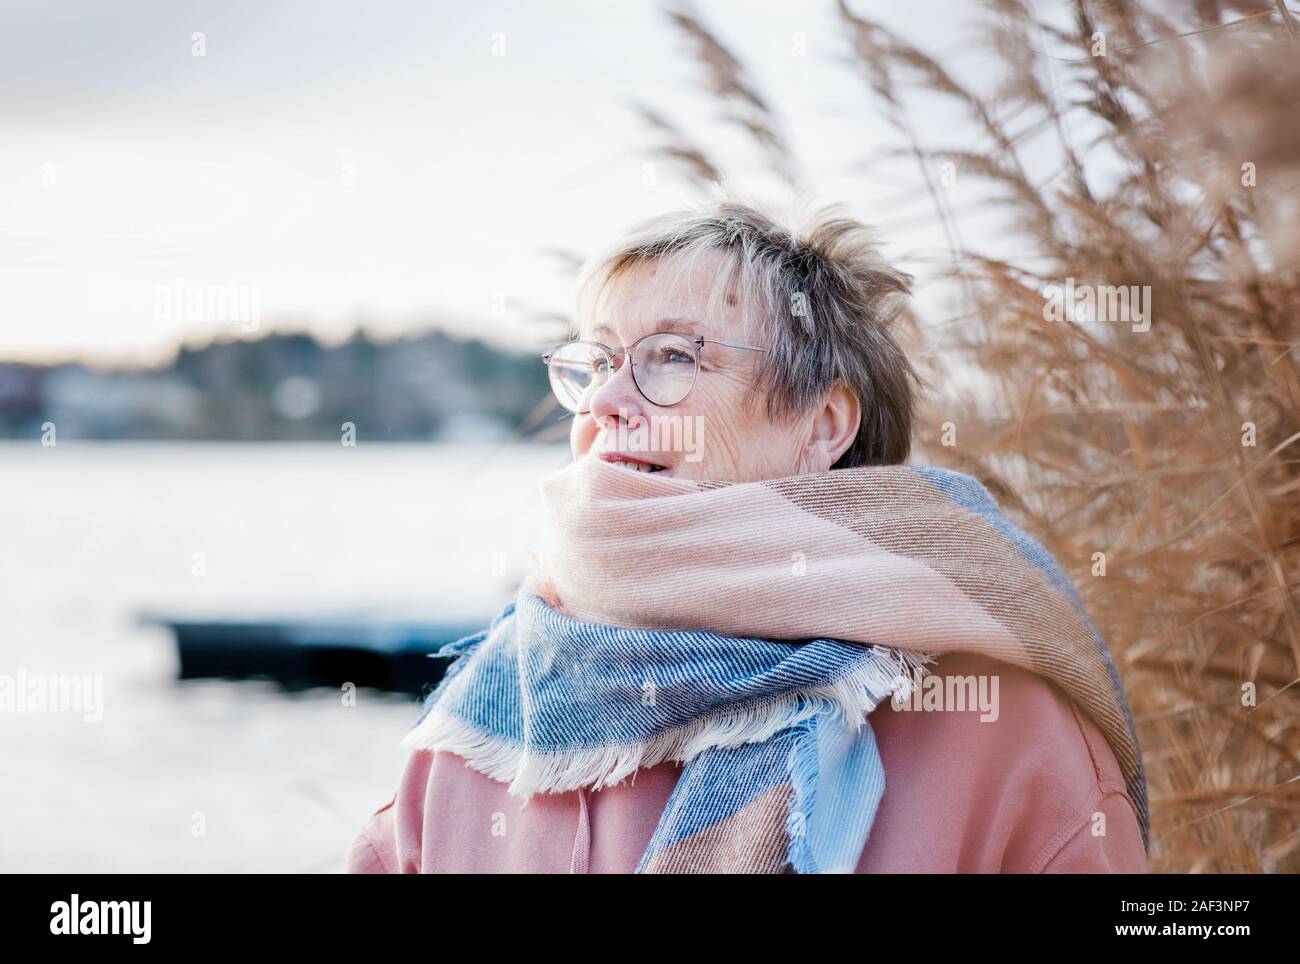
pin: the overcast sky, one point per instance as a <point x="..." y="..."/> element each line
<point x="397" y="163"/>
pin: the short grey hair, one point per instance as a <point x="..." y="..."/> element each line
<point x="824" y="299"/>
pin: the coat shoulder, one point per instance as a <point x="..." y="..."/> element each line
<point x="1001" y="768"/>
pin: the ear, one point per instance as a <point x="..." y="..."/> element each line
<point x="834" y="427"/>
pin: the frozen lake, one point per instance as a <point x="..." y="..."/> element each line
<point x="218" y="776"/>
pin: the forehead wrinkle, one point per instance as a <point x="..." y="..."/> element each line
<point x="681" y="325"/>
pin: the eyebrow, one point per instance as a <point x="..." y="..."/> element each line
<point x="663" y="324"/>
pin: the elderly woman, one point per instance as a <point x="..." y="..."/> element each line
<point x="755" y="641"/>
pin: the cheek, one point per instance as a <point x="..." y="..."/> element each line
<point x="581" y="434"/>
<point x="737" y="433"/>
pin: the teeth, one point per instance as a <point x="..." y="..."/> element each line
<point x="639" y="467"/>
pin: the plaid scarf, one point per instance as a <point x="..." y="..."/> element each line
<point x="747" y="629"/>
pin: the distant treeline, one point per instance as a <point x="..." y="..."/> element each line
<point x="281" y="387"/>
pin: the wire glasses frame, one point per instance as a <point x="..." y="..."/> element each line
<point x="665" y="367"/>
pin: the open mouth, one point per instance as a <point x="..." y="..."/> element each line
<point x="635" y="464"/>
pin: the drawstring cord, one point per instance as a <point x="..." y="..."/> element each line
<point x="582" y="842"/>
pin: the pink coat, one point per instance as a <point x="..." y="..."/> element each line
<point x="1038" y="790"/>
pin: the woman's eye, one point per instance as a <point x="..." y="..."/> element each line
<point x="673" y="356"/>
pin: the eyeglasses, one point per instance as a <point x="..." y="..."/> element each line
<point x="665" y="367"/>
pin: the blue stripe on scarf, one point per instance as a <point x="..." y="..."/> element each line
<point x="717" y="784"/>
<point x="839" y="780"/>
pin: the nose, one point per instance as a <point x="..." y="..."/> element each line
<point x="618" y="395"/>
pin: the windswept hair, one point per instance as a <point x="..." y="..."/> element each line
<point x="813" y="286"/>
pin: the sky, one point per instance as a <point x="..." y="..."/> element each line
<point x="326" y="165"/>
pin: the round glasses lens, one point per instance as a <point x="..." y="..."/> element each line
<point x="576" y="370"/>
<point x="665" y="367"/>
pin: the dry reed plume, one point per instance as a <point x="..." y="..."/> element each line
<point x="1171" y="451"/>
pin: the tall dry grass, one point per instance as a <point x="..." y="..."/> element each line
<point x="1172" y="452"/>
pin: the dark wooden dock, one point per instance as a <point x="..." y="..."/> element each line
<point x="300" y="655"/>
